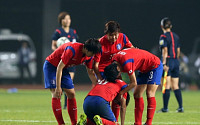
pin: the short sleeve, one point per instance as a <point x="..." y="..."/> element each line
<point x="127" y="42"/>
<point x="89" y="63"/>
<point x="97" y="57"/>
<point x="67" y="55"/>
<point x="56" y="35"/>
<point x="163" y="41"/>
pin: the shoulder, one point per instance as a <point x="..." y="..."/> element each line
<point x="120" y="82"/>
<point x="175" y="35"/>
<point x="103" y="39"/>
<point x="163" y="36"/>
<point x="59" y="30"/>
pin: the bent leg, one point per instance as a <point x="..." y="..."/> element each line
<point x="56" y="107"/>
<point x="71" y="105"/>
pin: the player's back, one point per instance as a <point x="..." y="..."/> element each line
<point x="137" y="59"/>
<point x="55" y="57"/>
<point x="173" y="43"/>
<point x="107" y="90"/>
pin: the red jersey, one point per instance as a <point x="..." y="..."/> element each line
<point x="108" y="49"/>
<point x="108" y="90"/>
<point x="136" y="59"/>
<point x="71" y="54"/>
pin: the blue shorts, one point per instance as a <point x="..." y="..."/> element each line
<point x="50" y="77"/>
<point x="152" y="77"/>
<point x="95" y="105"/>
<point x="173" y="68"/>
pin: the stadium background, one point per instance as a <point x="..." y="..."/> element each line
<point x="139" y="20"/>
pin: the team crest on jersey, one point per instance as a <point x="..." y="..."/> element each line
<point x="161" y="42"/>
<point x="119" y="46"/>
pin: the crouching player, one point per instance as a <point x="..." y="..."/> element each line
<point x="57" y="77"/>
<point x="97" y="103"/>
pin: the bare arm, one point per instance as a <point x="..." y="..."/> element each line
<point x="92" y="77"/>
<point x="123" y="110"/>
<point x="178" y="52"/>
<point x="132" y="84"/>
<point x="164" y="55"/>
<point x="60" y="67"/>
<point x="54" y="45"/>
<point x="96" y="70"/>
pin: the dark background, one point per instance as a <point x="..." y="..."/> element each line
<point x="139" y="20"/>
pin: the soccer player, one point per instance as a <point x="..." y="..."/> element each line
<point x="96" y="105"/>
<point x="112" y="42"/>
<point x="57" y="76"/>
<point x="64" y="20"/>
<point x="150" y="72"/>
<point x="170" y="48"/>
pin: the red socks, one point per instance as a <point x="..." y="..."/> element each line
<point x="150" y="109"/>
<point x="89" y="122"/>
<point x="56" y="106"/>
<point x="139" y="107"/>
<point x="115" y="109"/>
<point x="72" y="110"/>
<point x="107" y="122"/>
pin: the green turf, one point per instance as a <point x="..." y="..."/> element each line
<point x="33" y="107"/>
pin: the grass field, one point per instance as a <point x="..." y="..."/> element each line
<point x="33" y="107"/>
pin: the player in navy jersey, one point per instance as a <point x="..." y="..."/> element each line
<point x="57" y="77"/>
<point x="64" y="20"/>
<point x="112" y="42"/>
<point x="150" y="72"/>
<point x="96" y="105"/>
<point x="170" y="48"/>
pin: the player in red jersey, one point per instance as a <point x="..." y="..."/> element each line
<point x="65" y="30"/>
<point x="150" y="72"/>
<point x="112" y="42"/>
<point x="96" y="105"/>
<point x="57" y="76"/>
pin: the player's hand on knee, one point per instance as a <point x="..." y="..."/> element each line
<point x="58" y="92"/>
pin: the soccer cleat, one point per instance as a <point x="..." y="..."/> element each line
<point x="162" y="110"/>
<point x="180" y="110"/>
<point x="83" y="120"/>
<point x="97" y="120"/>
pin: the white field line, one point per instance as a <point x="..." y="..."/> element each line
<point x="195" y="112"/>
<point x="156" y="123"/>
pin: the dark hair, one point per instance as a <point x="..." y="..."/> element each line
<point x="127" y="99"/>
<point x="93" y="45"/>
<point x="166" y="23"/>
<point x="111" y="73"/>
<point x="61" y="16"/>
<point x="111" y="27"/>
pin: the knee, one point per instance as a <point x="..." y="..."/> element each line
<point x="150" y="93"/>
<point x="137" y="95"/>
<point x="174" y="87"/>
<point x="70" y="95"/>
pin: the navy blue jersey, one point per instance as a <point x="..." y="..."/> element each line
<point x="71" y="35"/>
<point x="171" y="41"/>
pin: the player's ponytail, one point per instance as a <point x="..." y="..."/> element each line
<point x="166" y="23"/>
<point x="111" y="73"/>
